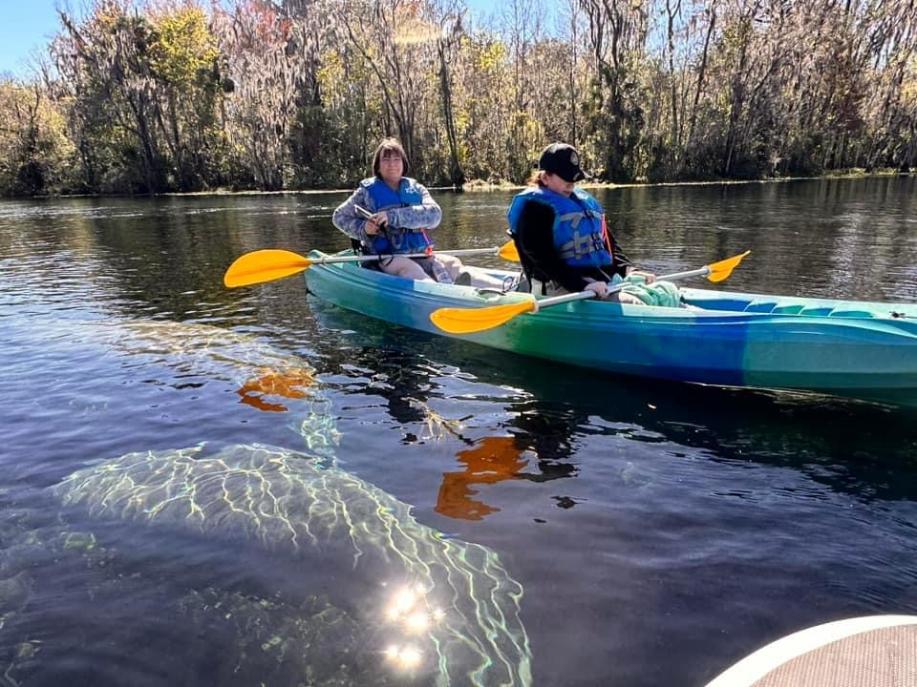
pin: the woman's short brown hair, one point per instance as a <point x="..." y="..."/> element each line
<point x="388" y="145"/>
<point x="536" y="178"/>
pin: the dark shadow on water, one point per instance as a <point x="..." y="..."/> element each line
<point x="863" y="449"/>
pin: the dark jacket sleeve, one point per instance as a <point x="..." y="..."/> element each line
<point x="620" y="262"/>
<point x="535" y="241"/>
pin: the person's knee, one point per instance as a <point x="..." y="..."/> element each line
<point x="624" y="297"/>
<point x="452" y="264"/>
<point x="450" y="260"/>
<point x="406" y="268"/>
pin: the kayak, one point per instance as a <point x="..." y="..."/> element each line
<point x="851" y="348"/>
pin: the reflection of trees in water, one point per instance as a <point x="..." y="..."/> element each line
<point x="168" y="255"/>
<point x="860" y="225"/>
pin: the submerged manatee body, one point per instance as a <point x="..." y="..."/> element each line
<point x="379" y="588"/>
<point x="444" y="608"/>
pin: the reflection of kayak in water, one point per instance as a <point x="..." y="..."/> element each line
<point x="857" y="652"/>
<point x="446" y="609"/>
<point x="732" y="339"/>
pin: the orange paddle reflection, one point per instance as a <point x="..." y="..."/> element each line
<point x="291" y="383"/>
<point x="490" y="460"/>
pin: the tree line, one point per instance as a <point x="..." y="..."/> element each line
<point x="171" y="95"/>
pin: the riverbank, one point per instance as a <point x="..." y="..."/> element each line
<point x="481" y="185"/>
<point x="478" y="186"/>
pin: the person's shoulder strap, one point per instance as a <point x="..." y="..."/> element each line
<point x="410" y="191"/>
<point x="587" y="200"/>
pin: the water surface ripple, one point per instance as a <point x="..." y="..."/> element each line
<point x="644" y="533"/>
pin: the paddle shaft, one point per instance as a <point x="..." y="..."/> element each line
<point x="584" y="295"/>
<point x="371" y="258"/>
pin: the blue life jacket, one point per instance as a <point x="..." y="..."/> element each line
<point x="579" y="236"/>
<point x="394" y="240"/>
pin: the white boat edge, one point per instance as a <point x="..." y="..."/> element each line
<point x="757" y="665"/>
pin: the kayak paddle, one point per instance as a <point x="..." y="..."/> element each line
<point x="267" y="265"/>
<point x="471" y="320"/>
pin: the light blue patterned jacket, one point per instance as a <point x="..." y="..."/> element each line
<point x="426" y="215"/>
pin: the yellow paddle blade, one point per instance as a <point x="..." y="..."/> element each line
<point x="470" y="320"/>
<point x="261" y="266"/>
<point x="722" y="269"/>
<point x="508" y="251"/>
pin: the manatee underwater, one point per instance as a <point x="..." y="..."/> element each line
<point x="264" y="375"/>
<point x="451" y="610"/>
<point x="419" y="607"/>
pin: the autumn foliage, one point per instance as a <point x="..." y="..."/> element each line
<point x="146" y="97"/>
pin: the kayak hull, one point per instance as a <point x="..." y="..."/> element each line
<point x="846" y="347"/>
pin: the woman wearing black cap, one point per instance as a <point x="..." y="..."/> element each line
<point x="561" y="234"/>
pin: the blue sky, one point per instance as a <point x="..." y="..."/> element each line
<point x="26" y="27"/>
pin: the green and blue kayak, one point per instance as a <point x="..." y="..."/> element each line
<point x="851" y="348"/>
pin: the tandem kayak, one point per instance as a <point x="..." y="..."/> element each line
<point x="851" y="348"/>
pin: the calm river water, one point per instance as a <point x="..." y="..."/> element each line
<point x="202" y="486"/>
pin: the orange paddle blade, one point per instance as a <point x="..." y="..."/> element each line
<point x="508" y="251"/>
<point x="470" y="320"/>
<point x="721" y="270"/>
<point x="262" y="266"/>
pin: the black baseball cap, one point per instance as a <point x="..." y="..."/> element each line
<point x="563" y="160"/>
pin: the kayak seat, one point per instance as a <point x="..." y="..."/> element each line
<point x="791" y="309"/>
<point x="706" y="303"/>
<point x="773" y="308"/>
<point x="861" y="314"/>
<point x="816" y="311"/>
<point x="734" y="304"/>
<point x="760" y="306"/>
